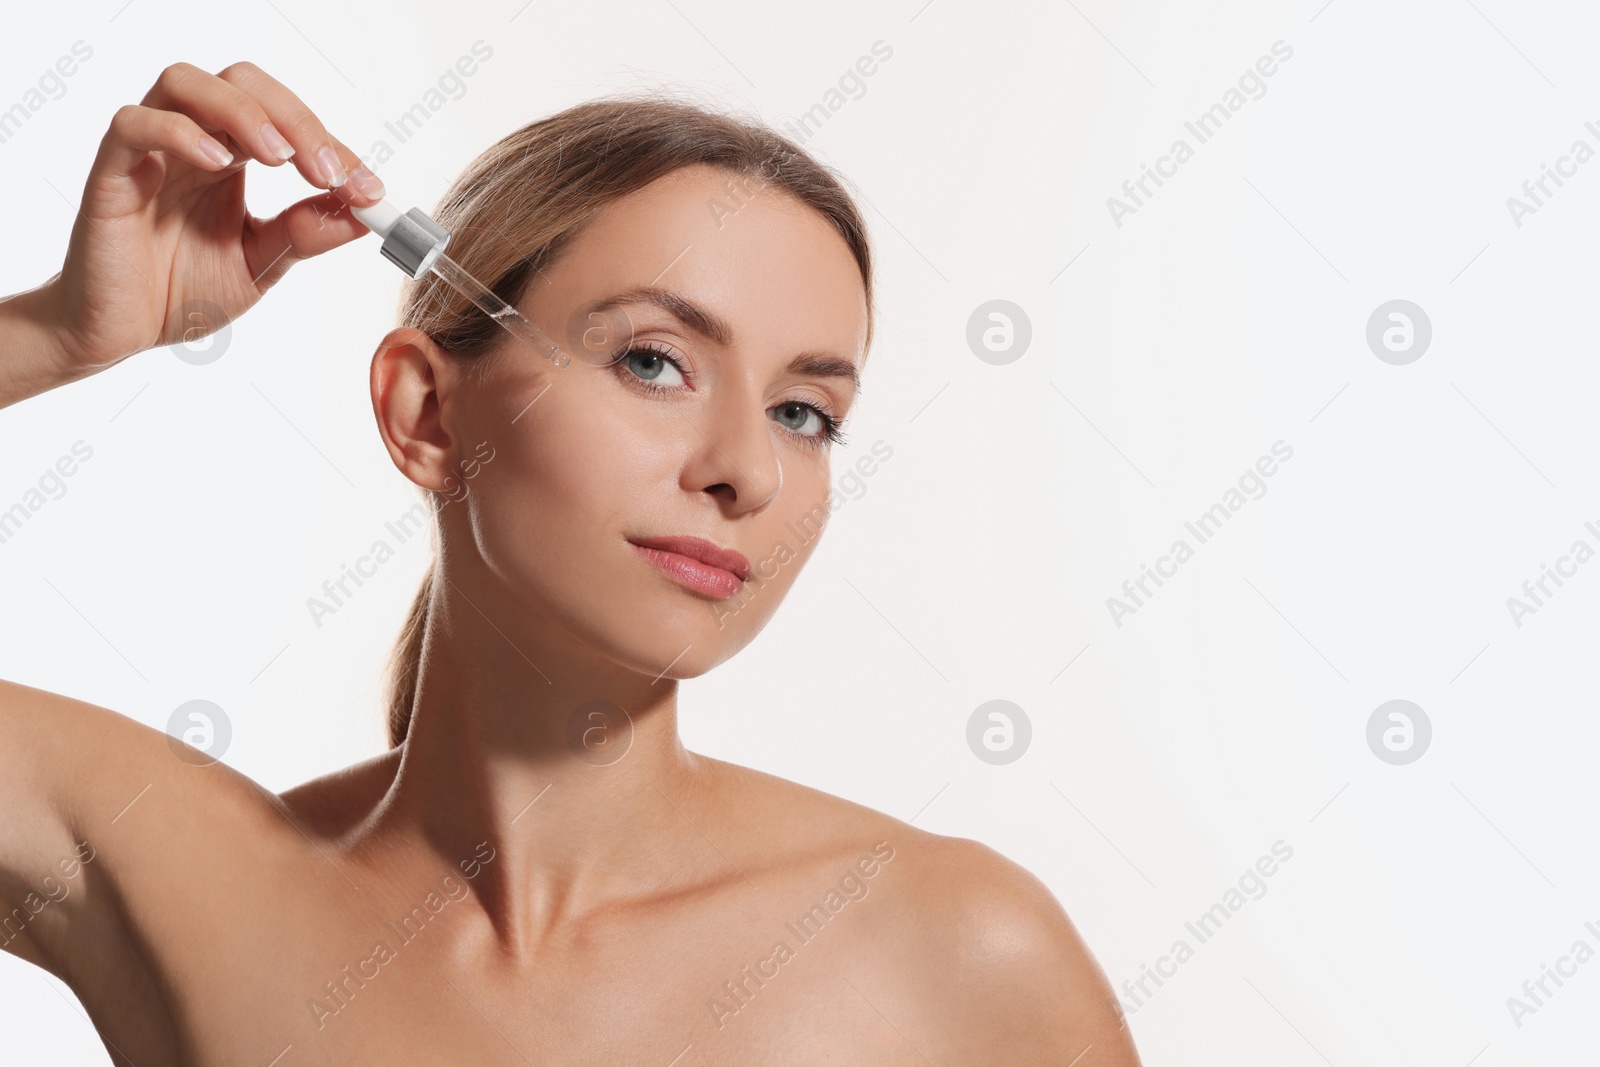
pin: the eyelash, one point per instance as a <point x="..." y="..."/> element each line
<point x="831" y="432"/>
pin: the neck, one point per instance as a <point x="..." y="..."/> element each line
<point x="568" y="765"/>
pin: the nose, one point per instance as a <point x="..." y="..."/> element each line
<point x="732" y="455"/>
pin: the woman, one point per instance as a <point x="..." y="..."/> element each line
<point x="537" y="871"/>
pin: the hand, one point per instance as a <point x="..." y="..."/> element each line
<point x="163" y="224"/>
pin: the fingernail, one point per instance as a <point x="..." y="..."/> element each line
<point x="213" y="148"/>
<point x="366" y="183"/>
<point x="275" y="141"/>
<point x="328" y="164"/>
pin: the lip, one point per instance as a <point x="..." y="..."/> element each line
<point x="697" y="563"/>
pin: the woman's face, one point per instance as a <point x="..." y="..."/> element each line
<point x="748" y="322"/>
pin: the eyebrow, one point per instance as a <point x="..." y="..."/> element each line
<point x="706" y="324"/>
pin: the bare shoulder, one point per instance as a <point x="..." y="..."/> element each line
<point x="86" y="762"/>
<point x="333" y="804"/>
<point x="102" y="812"/>
<point x="1015" y="975"/>
<point x="963" y="938"/>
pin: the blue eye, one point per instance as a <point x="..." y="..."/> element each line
<point x="804" y="419"/>
<point x="649" y="365"/>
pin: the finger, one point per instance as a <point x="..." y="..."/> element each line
<point x="302" y="230"/>
<point x="322" y="158"/>
<point x="137" y="131"/>
<point x="218" y="106"/>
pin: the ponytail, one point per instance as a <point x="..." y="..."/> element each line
<point x="405" y="663"/>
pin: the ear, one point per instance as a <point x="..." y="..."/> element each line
<point x="412" y="381"/>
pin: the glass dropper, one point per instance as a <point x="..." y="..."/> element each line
<point x="415" y="243"/>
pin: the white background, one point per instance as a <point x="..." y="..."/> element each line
<point x="1167" y="354"/>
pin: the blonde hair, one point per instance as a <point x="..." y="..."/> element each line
<point x="518" y="204"/>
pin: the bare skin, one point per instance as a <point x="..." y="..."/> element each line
<point x="502" y="888"/>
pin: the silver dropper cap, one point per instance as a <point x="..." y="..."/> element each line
<point x="411" y="241"/>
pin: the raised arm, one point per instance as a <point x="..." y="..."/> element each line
<point x="162" y="230"/>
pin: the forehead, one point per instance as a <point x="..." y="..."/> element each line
<point x="751" y="253"/>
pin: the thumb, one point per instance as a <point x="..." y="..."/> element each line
<point x="304" y="229"/>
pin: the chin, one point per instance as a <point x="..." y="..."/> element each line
<point x="655" y="627"/>
<point x="692" y="633"/>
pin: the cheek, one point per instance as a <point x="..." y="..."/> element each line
<point x="581" y="465"/>
<point x="784" y="539"/>
<point x="547" y="517"/>
<point x="805" y="501"/>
